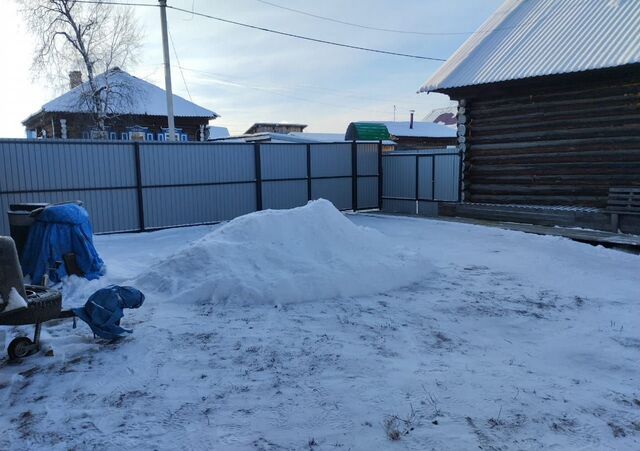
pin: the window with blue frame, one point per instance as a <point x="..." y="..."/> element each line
<point x="124" y="136"/>
<point x="138" y="133"/>
<point x="161" y="137"/>
<point x="179" y="135"/>
<point x="113" y="136"/>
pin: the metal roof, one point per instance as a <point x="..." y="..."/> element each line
<point x="369" y="131"/>
<point x="529" y="38"/>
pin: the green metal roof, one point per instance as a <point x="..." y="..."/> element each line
<point x="367" y="131"/>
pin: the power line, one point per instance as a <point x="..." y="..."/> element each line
<point x="306" y="38"/>
<point x="366" y="27"/>
<point x="184" y="80"/>
<point x="387" y="30"/>
<point x="269" y="30"/>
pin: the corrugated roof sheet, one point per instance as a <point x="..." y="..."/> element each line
<point x="131" y="95"/>
<point x="529" y="38"/>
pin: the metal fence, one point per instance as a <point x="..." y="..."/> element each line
<point x="415" y="182"/>
<point x="129" y="186"/>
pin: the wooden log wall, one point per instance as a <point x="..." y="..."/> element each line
<point x="551" y="146"/>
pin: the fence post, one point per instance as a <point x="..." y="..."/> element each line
<point x="256" y="153"/>
<point x="380" y="185"/>
<point x="417" y="183"/>
<point x="460" y="175"/>
<point x="354" y="175"/>
<point x="136" y="152"/>
<point x="308" y="172"/>
<point x="433" y="177"/>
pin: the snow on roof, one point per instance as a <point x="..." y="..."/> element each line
<point x="319" y="137"/>
<point x="145" y="98"/>
<point x="420" y="129"/>
<point x="437" y="112"/>
<point x="529" y="38"/>
<point x="218" y="132"/>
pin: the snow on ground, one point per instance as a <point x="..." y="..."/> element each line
<point x="283" y="256"/>
<point x="506" y="341"/>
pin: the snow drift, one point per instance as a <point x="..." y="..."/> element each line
<point x="281" y="256"/>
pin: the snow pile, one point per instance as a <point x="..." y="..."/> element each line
<point x="15" y="301"/>
<point x="281" y="256"/>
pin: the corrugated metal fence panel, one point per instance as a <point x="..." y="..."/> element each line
<point x="399" y="176"/>
<point x="367" y="167"/>
<point x="447" y="177"/>
<point x="337" y="191"/>
<point x="49" y="165"/>
<point x="438" y="179"/>
<point x="425" y="177"/>
<point x="56" y="171"/>
<point x="180" y="183"/>
<point x="218" y="183"/>
<point x="171" y="164"/>
<point x="283" y="161"/>
<point x="110" y="211"/>
<point x="173" y="206"/>
<point x="367" y="192"/>
<point x="284" y="194"/>
<point x="367" y="159"/>
<point x="330" y="160"/>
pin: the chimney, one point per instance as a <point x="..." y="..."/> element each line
<point x="411" y="121"/>
<point x="75" y="78"/>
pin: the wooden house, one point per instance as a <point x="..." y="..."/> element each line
<point x="135" y="110"/>
<point x="549" y="105"/>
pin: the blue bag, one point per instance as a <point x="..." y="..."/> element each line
<point x="104" y="309"/>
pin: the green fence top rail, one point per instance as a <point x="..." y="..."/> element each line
<point x="367" y="131"/>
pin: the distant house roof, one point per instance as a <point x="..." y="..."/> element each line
<point x="319" y="137"/>
<point x="218" y="132"/>
<point x="132" y="96"/>
<point x="444" y="116"/>
<point x="374" y="130"/>
<point x="530" y="38"/>
<point x="274" y="127"/>
<point x="302" y="138"/>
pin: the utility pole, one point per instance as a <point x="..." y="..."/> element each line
<point x="167" y="69"/>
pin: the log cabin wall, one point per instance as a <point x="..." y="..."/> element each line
<point x="560" y="140"/>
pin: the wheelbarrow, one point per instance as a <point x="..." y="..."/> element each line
<point x="43" y="304"/>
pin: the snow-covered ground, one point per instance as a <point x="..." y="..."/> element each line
<point x="489" y="339"/>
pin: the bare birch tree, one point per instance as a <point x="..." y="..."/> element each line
<point x="92" y="37"/>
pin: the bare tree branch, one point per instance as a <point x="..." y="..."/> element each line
<point x="93" y="38"/>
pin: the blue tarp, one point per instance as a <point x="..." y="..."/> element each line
<point x="104" y="310"/>
<point x="58" y="230"/>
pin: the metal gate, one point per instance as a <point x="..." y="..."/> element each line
<point x="414" y="182"/>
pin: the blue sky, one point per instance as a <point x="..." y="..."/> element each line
<point x="249" y="76"/>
